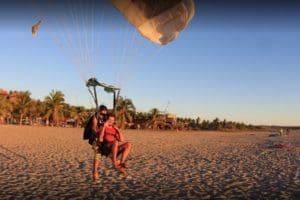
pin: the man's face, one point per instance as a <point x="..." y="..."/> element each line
<point x="103" y="112"/>
<point x="111" y="121"/>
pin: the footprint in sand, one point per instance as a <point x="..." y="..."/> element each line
<point x="81" y="165"/>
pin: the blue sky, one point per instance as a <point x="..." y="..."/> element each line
<point x="238" y="61"/>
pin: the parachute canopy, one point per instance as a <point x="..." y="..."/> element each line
<point x="158" y="20"/>
<point x="35" y="28"/>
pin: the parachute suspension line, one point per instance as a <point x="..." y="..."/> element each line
<point x="90" y="36"/>
<point x="93" y="61"/>
<point x="96" y="98"/>
<point x="115" y="59"/>
<point x="115" y="50"/>
<point x="88" y="33"/>
<point x="76" y="24"/>
<point x="125" y="47"/>
<point x="120" y="47"/>
<point x="116" y="98"/>
<point x="155" y="54"/>
<point x="93" y="35"/>
<point x="77" y="63"/>
<point x="81" y="29"/>
<point x="94" y="95"/>
<point x="130" y="47"/>
<point x="145" y="62"/>
<point x="80" y="25"/>
<point x="98" y="36"/>
<point x="128" y="52"/>
<point x="84" y="21"/>
<point x="70" y="46"/>
<point x="70" y="41"/>
<point x="73" y="40"/>
<point x="123" y="51"/>
<point x="131" y="54"/>
<point x="129" y="63"/>
<point x="54" y="34"/>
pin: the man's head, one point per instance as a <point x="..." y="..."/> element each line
<point x="103" y="109"/>
<point x="111" y="119"/>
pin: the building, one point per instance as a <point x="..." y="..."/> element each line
<point x="4" y="92"/>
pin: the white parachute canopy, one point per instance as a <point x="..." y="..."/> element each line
<point x="158" y="20"/>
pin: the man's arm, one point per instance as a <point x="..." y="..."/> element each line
<point x="95" y="125"/>
<point x="101" y="136"/>
<point x="120" y="136"/>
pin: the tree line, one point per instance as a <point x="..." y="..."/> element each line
<point x="17" y="107"/>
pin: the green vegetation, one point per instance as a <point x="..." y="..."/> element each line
<point x="17" y="107"/>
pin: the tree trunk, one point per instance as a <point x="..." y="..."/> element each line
<point x="21" y="119"/>
<point x="47" y="121"/>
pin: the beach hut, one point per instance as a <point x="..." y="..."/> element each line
<point x="3" y="93"/>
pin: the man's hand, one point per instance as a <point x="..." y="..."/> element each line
<point x="101" y="136"/>
<point x="116" y="128"/>
<point x="106" y="124"/>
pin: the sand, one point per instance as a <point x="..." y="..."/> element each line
<point x="55" y="163"/>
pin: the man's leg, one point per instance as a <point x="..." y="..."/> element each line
<point x="95" y="169"/>
<point x="125" y="149"/>
<point x="116" y="163"/>
<point x="114" y="152"/>
<point x="97" y="162"/>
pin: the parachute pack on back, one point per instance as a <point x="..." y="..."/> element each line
<point x="88" y="133"/>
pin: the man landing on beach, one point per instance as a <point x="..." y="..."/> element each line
<point x="110" y="137"/>
<point x="98" y="121"/>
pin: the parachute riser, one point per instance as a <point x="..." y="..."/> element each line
<point x="93" y="82"/>
<point x="116" y="97"/>
<point x="94" y="95"/>
<point x="96" y="98"/>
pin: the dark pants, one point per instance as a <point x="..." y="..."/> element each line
<point x="106" y="148"/>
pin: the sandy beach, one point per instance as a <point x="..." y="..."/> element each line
<point x="55" y="163"/>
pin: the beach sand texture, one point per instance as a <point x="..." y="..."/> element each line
<point x="55" y="163"/>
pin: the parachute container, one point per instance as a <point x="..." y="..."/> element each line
<point x="158" y="20"/>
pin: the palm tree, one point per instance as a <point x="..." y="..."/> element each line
<point x="36" y="111"/>
<point x="198" y="120"/>
<point x="54" y="105"/>
<point x="224" y="124"/>
<point x="79" y="114"/>
<point x="5" y="109"/>
<point x="205" y="125"/>
<point x="125" y="109"/>
<point x="215" y="124"/>
<point x="24" y="102"/>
